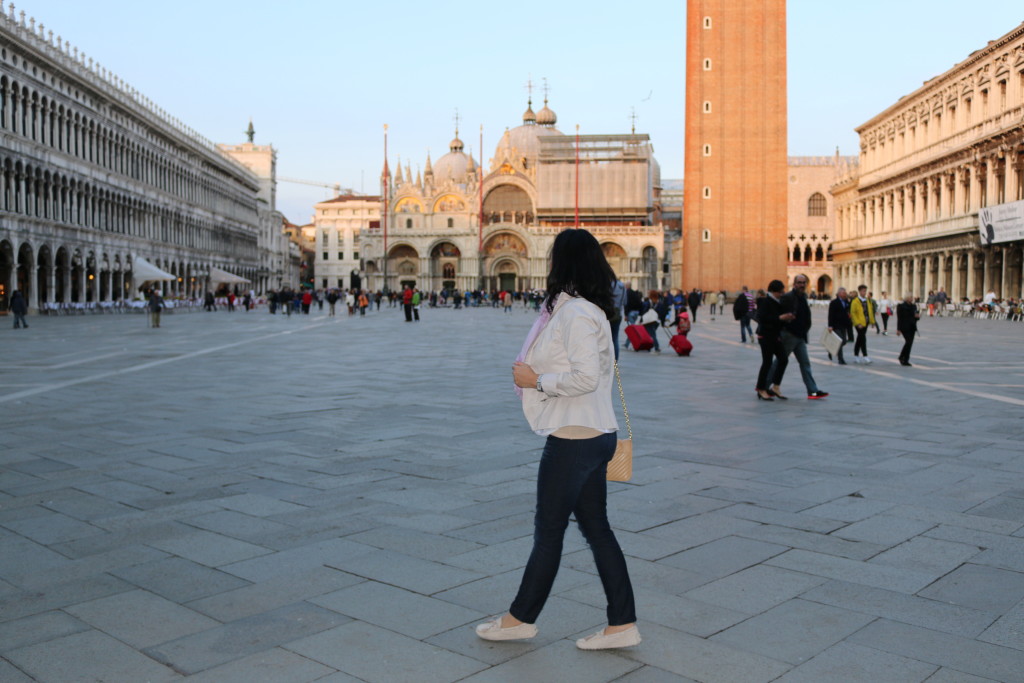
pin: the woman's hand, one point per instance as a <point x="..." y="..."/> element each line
<point x="524" y="376"/>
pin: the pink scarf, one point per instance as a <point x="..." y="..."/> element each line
<point x="538" y="327"/>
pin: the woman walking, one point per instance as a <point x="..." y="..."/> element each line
<point x="769" y="332"/>
<point x="564" y="374"/>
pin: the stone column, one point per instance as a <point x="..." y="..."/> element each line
<point x="940" y="273"/>
<point x="33" y="285"/>
<point x="1004" y="281"/>
<point x="991" y="190"/>
<point x="986" y="271"/>
<point x="82" y="283"/>
<point x="51" y="280"/>
<point x="107" y="275"/>
<point x="975" y="190"/>
<point x="929" y="275"/>
<point x="969" y="290"/>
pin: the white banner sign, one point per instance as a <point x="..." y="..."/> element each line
<point x="1001" y="223"/>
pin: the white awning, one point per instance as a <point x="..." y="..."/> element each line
<point x="144" y="271"/>
<point x="218" y="275"/>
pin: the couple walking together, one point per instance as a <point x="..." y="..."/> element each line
<point x="564" y="375"/>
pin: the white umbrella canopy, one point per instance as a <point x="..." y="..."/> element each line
<point x="144" y="271"/>
<point x="218" y="275"/>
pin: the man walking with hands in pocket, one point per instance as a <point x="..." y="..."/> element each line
<point x="862" y="314"/>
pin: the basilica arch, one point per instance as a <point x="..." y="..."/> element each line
<point x="403" y="267"/>
<point x="445" y="264"/>
<point x="506" y="261"/>
<point x="616" y="257"/>
<point x="508" y="203"/>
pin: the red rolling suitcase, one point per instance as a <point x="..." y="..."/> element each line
<point x="639" y="338"/>
<point x="681" y="344"/>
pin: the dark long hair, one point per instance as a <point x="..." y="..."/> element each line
<point x="579" y="268"/>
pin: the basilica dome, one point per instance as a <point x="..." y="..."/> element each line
<point x="454" y="164"/>
<point x="524" y="140"/>
<point x="546" y="117"/>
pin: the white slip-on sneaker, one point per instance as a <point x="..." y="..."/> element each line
<point x="867" y="360"/>
<point x="601" y="641"/>
<point x="492" y="630"/>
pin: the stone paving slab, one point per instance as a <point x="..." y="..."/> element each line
<point x="253" y="497"/>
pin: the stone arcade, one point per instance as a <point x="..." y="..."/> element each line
<point x="93" y="175"/>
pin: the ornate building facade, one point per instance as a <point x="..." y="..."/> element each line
<point x="908" y="217"/>
<point x="734" y="208"/>
<point x="528" y="193"/>
<point x="94" y="176"/>
<point x="812" y="218"/>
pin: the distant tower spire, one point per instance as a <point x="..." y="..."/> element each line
<point x="250" y="132"/>
<point x="529" y="118"/>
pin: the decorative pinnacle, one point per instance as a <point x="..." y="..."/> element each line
<point x="632" y="118"/>
<point x="250" y="132"/>
<point x="545" y="81"/>
<point x="529" y="91"/>
<point x="456" y="122"/>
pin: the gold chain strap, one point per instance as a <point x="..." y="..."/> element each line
<point x="618" y="378"/>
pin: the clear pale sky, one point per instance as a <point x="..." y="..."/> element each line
<point x="320" y="78"/>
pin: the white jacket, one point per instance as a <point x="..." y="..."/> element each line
<point x="575" y="359"/>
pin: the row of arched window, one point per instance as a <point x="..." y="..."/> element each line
<point x="806" y="254"/>
<point x="33" y="191"/>
<point x="51" y="123"/>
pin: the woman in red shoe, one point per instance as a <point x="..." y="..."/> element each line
<point x="565" y="374"/>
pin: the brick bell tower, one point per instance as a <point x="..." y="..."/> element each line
<point x="734" y="193"/>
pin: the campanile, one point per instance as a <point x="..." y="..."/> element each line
<point x="734" y="193"/>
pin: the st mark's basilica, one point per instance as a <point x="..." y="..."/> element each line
<point x="435" y="235"/>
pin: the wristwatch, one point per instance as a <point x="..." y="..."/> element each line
<point x="539" y="387"/>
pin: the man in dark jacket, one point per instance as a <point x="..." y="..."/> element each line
<point x="694" y="301"/>
<point x="796" y="318"/>
<point x="743" y="311"/>
<point x="156" y="305"/>
<point x="19" y="307"/>
<point x="634" y="302"/>
<point x="907" y="316"/>
<point x="839" y="321"/>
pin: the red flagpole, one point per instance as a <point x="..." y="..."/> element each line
<point x="384" y="218"/>
<point x="577" y="221"/>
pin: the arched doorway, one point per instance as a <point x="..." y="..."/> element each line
<point x="61" y="272"/>
<point x="90" y="277"/>
<point x="403" y="266"/>
<point x="825" y="285"/>
<point x="504" y="253"/>
<point x="26" y="268"/>
<point x="506" y="274"/>
<point x="44" y="273"/>
<point x="444" y="264"/>
<point x="649" y="264"/>
<point x="77" y="278"/>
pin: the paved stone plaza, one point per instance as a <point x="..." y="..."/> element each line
<point x="246" y="497"/>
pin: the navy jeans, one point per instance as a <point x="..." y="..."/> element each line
<point x="571" y="480"/>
